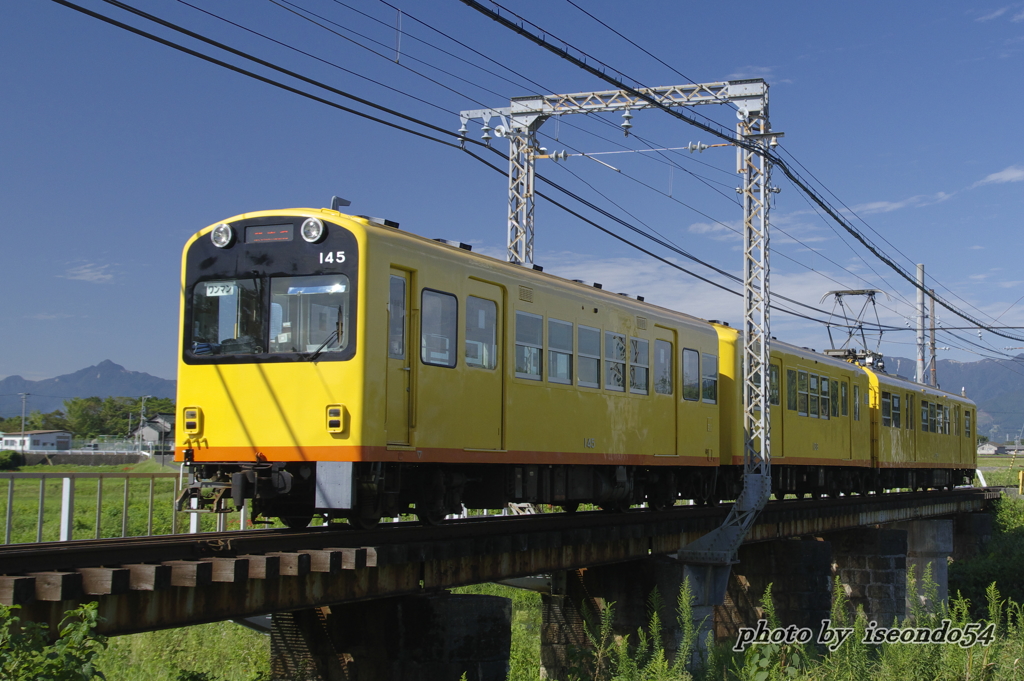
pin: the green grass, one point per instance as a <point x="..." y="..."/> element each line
<point x="223" y="651"/>
<point x="25" y="506"/>
<point x="524" y="661"/>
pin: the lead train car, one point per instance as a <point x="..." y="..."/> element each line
<point x="335" y="365"/>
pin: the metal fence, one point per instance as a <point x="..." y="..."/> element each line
<point x="67" y="503"/>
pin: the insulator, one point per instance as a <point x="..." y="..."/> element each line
<point x="626" y="123"/>
<point x="463" y="130"/>
<point x="486" y="137"/>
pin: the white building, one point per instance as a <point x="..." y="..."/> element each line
<point x="38" y="441"/>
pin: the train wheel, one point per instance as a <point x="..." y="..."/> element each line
<point x="571" y="508"/>
<point x="297" y="522"/>
<point x="366" y="522"/>
<point x="432" y="517"/>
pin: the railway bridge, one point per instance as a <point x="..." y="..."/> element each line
<point x="373" y="605"/>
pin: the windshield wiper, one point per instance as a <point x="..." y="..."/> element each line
<point x="316" y="353"/>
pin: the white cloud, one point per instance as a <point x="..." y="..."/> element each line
<point x="1010" y="174"/>
<point x="977" y="248"/>
<point x="719" y="231"/>
<point x="913" y="202"/>
<point x="90" y="272"/>
<point x="1018" y="17"/>
<point x="994" y="14"/>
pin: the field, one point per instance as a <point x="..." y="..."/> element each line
<point x="26" y="493"/>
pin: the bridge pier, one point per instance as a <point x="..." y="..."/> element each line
<point x="580" y="596"/>
<point x="435" y="637"/>
<point x="799" y="571"/>
<point x="929" y="543"/>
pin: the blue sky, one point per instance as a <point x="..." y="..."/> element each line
<point x="117" y="149"/>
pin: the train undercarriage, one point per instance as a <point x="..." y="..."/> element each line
<point x="363" y="493"/>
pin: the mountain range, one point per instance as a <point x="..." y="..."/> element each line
<point x="105" y="379"/>
<point x="996" y="385"/>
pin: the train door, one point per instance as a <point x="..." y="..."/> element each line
<point x="775" y="411"/>
<point x="850" y="435"/>
<point x="665" y="412"/>
<point x="481" y="389"/>
<point x="396" y="422"/>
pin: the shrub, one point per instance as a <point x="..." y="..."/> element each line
<point x="9" y="460"/>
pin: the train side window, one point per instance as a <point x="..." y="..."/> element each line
<point x="559" y="351"/>
<point x="945" y="420"/>
<point x="588" y="347"/>
<point x="932" y="417"/>
<point x="924" y="416"/>
<point x="709" y="379"/>
<point x="967" y="423"/>
<point x="896" y="411"/>
<point x="886" y="409"/>
<point x="691" y="375"/>
<point x="910" y="411"/>
<point x="791" y="389"/>
<point x="662" y="367"/>
<point x="803" y="398"/>
<point x="835" y="399"/>
<point x="812" y="395"/>
<point x="825" y="401"/>
<point x="845" y="401"/>
<point x="639" y="365"/>
<point x="956" y="420"/>
<point x="529" y="345"/>
<point x="774" y="398"/>
<point x="440" y="328"/>
<point x="396" y="318"/>
<point x="614" y="361"/>
<point x="856" y="402"/>
<point x="481" y="333"/>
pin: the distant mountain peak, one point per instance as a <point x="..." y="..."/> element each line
<point x="106" y="379"/>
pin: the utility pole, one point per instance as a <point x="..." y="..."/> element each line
<point x="920" y="324"/>
<point x="142" y="419"/>
<point x="24" y="399"/>
<point x="716" y="550"/>
<point x="931" y="322"/>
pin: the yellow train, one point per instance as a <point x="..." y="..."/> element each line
<point x="335" y="365"/>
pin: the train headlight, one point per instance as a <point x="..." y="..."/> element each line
<point x="193" y="420"/>
<point x="222" y="235"/>
<point x="312" y="230"/>
<point x="336" y="417"/>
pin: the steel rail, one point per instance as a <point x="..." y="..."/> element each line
<point x="414" y="539"/>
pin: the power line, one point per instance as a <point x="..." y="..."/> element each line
<point x="774" y="158"/>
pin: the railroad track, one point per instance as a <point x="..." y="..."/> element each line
<point x="72" y="555"/>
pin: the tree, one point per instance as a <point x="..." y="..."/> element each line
<point x="982" y="439"/>
<point x="84" y="416"/>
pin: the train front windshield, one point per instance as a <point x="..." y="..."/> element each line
<point x="302" y="315"/>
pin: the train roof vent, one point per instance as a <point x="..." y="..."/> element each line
<point x="641" y="323"/>
<point x="624" y="294"/>
<point x="456" y="244"/>
<point x="538" y="268"/>
<point x="588" y="283"/>
<point x="596" y="285"/>
<point x="640" y="298"/>
<point x="380" y="222"/>
<point x="526" y="294"/>
<point x="718" y="321"/>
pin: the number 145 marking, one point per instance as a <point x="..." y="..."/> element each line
<point x="332" y="256"/>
